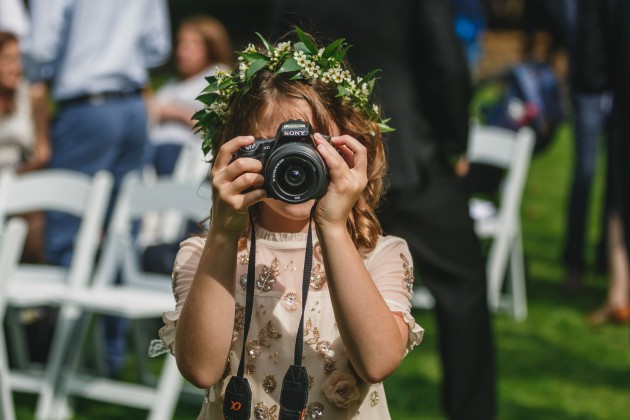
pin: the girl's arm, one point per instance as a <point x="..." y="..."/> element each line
<point x="204" y="328"/>
<point x="374" y="337"/>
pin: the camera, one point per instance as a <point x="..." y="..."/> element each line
<point x="294" y="171"/>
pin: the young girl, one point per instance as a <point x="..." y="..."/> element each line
<point x="357" y="324"/>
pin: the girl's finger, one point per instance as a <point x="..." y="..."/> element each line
<point x="226" y="152"/>
<point x="358" y="150"/>
<point x="241" y="166"/>
<point x="245" y="181"/>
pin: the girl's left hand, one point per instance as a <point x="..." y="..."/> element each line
<point x="348" y="178"/>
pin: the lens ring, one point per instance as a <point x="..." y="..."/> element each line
<point x="288" y="157"/>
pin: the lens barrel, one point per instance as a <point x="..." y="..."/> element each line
<point x="296" y="173"/>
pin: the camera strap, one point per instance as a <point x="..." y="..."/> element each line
<point x="237" y="402"/>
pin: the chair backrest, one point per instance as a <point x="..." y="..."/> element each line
<point x="508" y="150"/>
<point x="12" y="240"/>
<point x="137" y="198"/>
<point x="65" y="191"/>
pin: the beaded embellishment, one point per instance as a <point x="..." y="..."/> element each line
<point x="408" y="278"/>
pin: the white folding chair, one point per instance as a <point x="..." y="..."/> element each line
<point x="70" y="192"/>
<point x="141" y="295"/>
<point x="511" y="151"/>
<point x="11" y="245"/>
<point x="191" y="166"/>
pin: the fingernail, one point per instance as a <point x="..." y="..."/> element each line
<point x="318" y="136"/>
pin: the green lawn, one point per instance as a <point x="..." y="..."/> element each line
<point x="552" y="366"/>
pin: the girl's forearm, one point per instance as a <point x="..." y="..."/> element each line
<point x="204" y="329"/>
<point x="369" y="330"/>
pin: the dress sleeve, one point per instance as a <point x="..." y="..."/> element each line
<point x="391" y="268"/>
<point x="184" y="270"/>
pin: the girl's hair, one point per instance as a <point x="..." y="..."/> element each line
<point x="7" y="95"/>
<point x="276" y="90"/>
<point x="215" y="38"/>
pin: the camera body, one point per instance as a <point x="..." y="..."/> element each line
<point x="294" y="171"/>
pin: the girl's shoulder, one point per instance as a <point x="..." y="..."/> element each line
<point x="389" y="243"/>
<point x="387" y="248"/>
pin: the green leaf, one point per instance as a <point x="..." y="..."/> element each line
<point x="308" y="42"/>
<point x="384" y="127"/>
<point x="342" y="91"/>
<point x="370" y="75"/>
<point x="333" y="48"/>
<point x="341" y="53"/>
<point x="253" y="56"/>
<point x="289" y="65"/>
<point x="266" y="43"/>
<point x="214" y="87"/>
<point x="253" y="69"/>
<point x="297" y="76"/>
<point x="208" y="98"/>
<point x="299" y="46"/>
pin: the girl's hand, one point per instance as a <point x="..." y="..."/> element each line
<point x="229" y="179"/>
<point x="348" y="178"/>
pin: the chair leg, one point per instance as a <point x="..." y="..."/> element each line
<point x="168" y="390"/>
<point x="517" y="279"/>
<point x="496" y="266"/>
<point x="61" y="404"/>
<point x="65" y="326"/>
<point x="141" y="342"/>
<point x="7" y="410"/>
<point x="17" y="339"/>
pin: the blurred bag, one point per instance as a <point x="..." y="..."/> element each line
<point x="531" y="96"/>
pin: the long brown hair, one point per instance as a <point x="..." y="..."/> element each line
<point x="7" y="95"/>
<point x="328" y="110"/>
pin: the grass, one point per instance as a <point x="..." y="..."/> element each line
<point x="552" y="366"/>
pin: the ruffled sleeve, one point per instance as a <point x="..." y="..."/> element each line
<point x="391" y="268"/>
<point x="184" y="270"/>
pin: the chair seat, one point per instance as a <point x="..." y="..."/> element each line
<point x="34" y="285"/>
<point x="122" y="301"/>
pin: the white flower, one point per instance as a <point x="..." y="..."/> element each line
<point x="375" y="108"/>
<point x="364" y="89"/>
<point x="283" y="46"/>
<point x="218" y="107"/>
<point x="242" y="70"/>
<point x="300" y="57"/>
<point x="250" y="48"/>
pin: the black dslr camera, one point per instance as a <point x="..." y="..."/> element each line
<point x="293" y="169"/>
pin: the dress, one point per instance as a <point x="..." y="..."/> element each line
<point x="17" y="132"/>
<point x="275" y="318"/>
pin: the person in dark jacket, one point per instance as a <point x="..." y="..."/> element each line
<point x="425" y="89"/>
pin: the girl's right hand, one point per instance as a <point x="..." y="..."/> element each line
<point x="229" y="179"/>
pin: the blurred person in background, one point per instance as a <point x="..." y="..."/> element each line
<point x="202" y="46"/>
<point x="591" y="103"/>
<point x="602" y="63"/>
<point x="94" y="57"/>
<point x="426" y="91"/>
<point x="24" y="143"/>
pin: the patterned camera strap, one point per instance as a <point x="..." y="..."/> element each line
<point x="237" y="402"/>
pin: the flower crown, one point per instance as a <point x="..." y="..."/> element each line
<point x="301" y="61"/>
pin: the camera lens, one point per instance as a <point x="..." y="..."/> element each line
<point x="295" y="173"/>
<point x="294" y="176"/>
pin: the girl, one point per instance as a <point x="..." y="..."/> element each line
<point x="202" y="46"/>
<point x="357" y="324"/>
